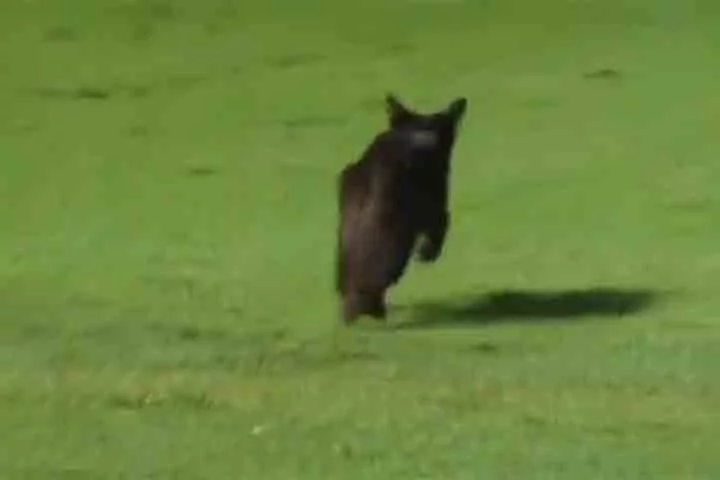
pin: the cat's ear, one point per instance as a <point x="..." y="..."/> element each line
<point x="396" y="111"/>
<point x="456" y="109"/>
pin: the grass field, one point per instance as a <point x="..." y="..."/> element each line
<point x="167" y="236"/>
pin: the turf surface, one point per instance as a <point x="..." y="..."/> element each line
<point x="167" y="238"/>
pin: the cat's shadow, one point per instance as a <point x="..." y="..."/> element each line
<point x="529" y="306"/>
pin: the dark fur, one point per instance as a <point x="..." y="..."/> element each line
<point x="393" y="196"/>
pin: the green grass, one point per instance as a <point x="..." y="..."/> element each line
<point x="167" y="237"/>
